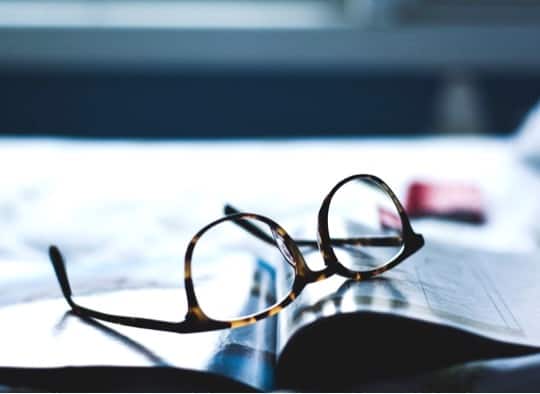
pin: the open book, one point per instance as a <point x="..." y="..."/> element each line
<point x="441" y="306"/>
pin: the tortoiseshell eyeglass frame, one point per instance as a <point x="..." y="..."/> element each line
<point x="196" y="319"/>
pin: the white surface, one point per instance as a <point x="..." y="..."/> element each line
<point x="140" y="203"/>
<point x="528" y="137"/>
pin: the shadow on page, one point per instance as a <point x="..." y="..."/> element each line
<point x="445" y="305"/>
<point x="41" y="338"/>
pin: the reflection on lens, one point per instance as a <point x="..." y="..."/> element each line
<point x="364" y="225"/>
<point x="235" y="274"/>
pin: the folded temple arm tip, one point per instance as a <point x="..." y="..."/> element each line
<point x="60" y="269"/>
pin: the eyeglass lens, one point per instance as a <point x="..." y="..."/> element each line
<point x="236" y="274"/>
<point x="363" y="212"/>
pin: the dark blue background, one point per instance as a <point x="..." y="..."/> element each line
<point x="195" y="103"/>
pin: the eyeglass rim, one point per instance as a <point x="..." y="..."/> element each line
<point x="301" y="278"/>
<point x="412" y="241"/>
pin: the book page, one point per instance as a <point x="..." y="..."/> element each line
<point x="490" y="294"/>
<point x="43" y="333"/>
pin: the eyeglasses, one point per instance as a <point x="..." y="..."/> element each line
<point x="362" y="231"/>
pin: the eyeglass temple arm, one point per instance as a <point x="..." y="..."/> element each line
<point x="361" y="241"/>
<point x="60" y="269"/>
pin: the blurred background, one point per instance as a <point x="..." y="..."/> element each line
<point x="267" y="68"/>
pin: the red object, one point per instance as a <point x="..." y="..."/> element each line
<point x="448" y="200"/>
<point x="389" y="220"/>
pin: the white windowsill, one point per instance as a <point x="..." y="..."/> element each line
<point x="169" y="14"/>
